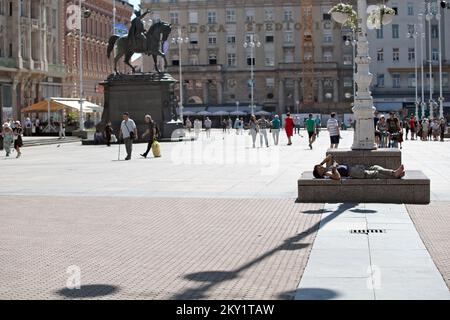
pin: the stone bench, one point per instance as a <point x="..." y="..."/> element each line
<point x="414" y="188"/>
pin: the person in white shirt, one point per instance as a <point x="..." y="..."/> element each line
<point x="208" y="125"/>
<point x="128" y="132"/>
<point x="333" y="129"/>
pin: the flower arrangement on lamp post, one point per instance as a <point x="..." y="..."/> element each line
<point x="344" y="14"/>
<point x="379" y="15"/>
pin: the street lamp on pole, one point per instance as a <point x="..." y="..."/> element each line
<point x="429" y="18"/>
<point x="441" y="97"/>
<point x="353" y="43"/>
<point x="179" y="41"/>
<point x="415" y="35"/>
<point x="422" y="60"/>
<point x="252" y="44"/>
<point x="83" y="14"/>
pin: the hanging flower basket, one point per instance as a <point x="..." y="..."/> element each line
<point x="379" y="16"/>
<point x="339" y="17"/>
<point x="342" y="12"/>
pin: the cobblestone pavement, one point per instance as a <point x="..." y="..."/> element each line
<point x="137" y="248"/>
<point x="433" y="224"/>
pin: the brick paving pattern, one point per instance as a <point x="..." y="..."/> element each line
<point x="154" y="248"/>
<point x="433" y="224"/>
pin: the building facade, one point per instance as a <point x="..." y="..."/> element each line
<point x="393" y="51"/>
<point x="97" y="29"/>
<point x="30" y="56"/>
<point x="216" y="66"/>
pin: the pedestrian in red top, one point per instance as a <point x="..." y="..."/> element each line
<point x="289" y="127"/>
<point x="412" y="127"/>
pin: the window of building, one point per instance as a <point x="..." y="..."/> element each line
<point x="348" y="60"/>
<point x="348" y="82"/>
<point x="269" y="38"/>
<point x="380" y="32"/>
<point x="193" y="38"/>
<point x="174" y="18"/>
<point x="380" y="55"/>
<point x="396" y="80"/>
<point x="435" y="55"/>
<point x="231" y="59"/>
<point x="231" y="39"/>
<point x="411" y="80"/>
<point x="270" y="59"/>
<point x="175" y="60"/>
<point x="288" y="56"/>
<point x="268" y="15"/>
<point x="288" y="37"/>
<point x="212" y="17"/>
<point x="193" y="17"/>
<point x="434" y="31"/>
<point x="287" y="15"/>
<point x="212" y="59"/>
<point x="327" y="56"/>
<point x="395" y="54"/>
<point x="327" y="38"/>
<point x="380" y="80"/>
<point x="410" y="9"/>
<point x="411" y="54"/>
<point x="212" y="39"/>
<point x="231" y="15"/>
<point x="270" y="82"/>
<point x="395" y="31"/>
<point x="250" y="15"/>
<point x="250" y="60"/>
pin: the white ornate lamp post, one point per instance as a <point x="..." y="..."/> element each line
<point x="364" y="138"/>
<point x="441" y="97"/>
<point x="252" y="44"/>
<point x="363" y="109"/>
<point x="179" y="41"/>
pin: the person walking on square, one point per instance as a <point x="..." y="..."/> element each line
<point x="197" y="128"/>
<point x="62" y="130"/>
<point x="333" y="129"/>
<point x="436" y="129"/>
<point x="254" y="128"/>
<point x="297" y="125"/>
<point x="108" y="134"/>
<point x="208" y="125"/>
<point x="229" y="125"/>
<point x="406" y="127"/>
<point x="412" y="128"/>
<point x="318" y="125"/>
<point x="276" y="127"/>
<point x="224" y="126"/>
<point x="237" y="125"/>
<point x="8" y="138"/>
<point x="37" y="125"/>
<point x="188" y="125"/>
<point x="28" y="127"/>
<point x="150" y="133"/>
<point x="425" y="129"/>
<point x="263" y="126"/>
<point x="311" y="129"/>
<point x="241" y="126"/>
<point x="128" y="132"/>
<point x="289" y="128"/>
<point x="18" y="143"/>
<point x="443" y="126"/>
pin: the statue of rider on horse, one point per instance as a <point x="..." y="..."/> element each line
<point x="139" y="40"/>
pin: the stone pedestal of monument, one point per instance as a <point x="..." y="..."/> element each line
<point x="387" y="158"/>
<point x="139" y="95"/>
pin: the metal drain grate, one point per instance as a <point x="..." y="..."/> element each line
<point x="367" y="231"/>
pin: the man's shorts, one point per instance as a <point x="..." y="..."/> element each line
<point x="311" y="134"/>
<point x="334" y="139"/>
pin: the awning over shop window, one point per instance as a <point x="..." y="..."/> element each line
<point x="388" y="106"/>
<point x="58" y="104"/>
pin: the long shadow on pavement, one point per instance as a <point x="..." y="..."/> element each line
<point x="214" y="278"/>
<point x="88" y="291"/>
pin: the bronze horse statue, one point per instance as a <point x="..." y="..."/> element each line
<point x="158" y="33"/>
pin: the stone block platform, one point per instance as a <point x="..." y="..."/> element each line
<point x="414" y="188"/>
<point x="387" y="158"/>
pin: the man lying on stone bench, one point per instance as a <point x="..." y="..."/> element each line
<point x="333" y="170"/>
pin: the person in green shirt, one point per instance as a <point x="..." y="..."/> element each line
<point x="276" y="127"/>
<point x="311" y="128"/>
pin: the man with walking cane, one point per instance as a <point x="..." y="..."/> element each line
<point x="128" y="132"/>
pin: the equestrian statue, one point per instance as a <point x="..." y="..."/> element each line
<point x="139" y="40"/>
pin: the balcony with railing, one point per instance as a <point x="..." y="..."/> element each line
<point x="197" y="68"/>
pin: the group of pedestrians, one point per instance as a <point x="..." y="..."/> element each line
<point x="425" y="129"/>
<point x="12" y="137"/>
<point x="391" y="132"/>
